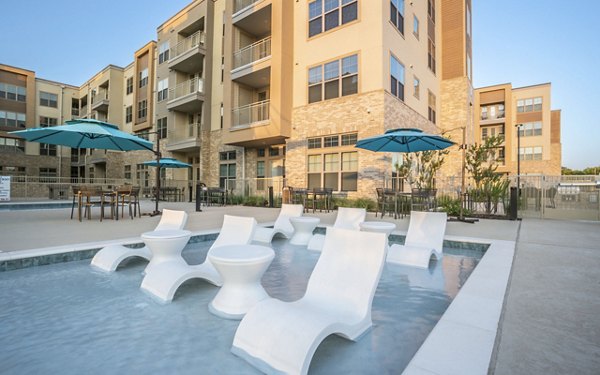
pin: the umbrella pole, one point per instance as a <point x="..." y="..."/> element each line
<point x="157" y="194"/>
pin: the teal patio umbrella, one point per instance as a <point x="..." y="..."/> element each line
<point x="86" y="133"/>
<point x="168" y="163"/>
<point x="404" y="140"/>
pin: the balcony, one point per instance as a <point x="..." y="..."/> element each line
<point x="252" y="16"/>
<point x="251" y="115"/>
<point x="100" y="101"/>
<point x="252" y="64"/>
<point x="184" y="140"/>
<point x="187" y="96"/>
<point x="186" y="56"/>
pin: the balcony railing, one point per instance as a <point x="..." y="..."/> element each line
<point x="99" y="96"/>
<point x="194" y="85"/>
<point x="252" y="53"/>
<point x="250" y="114"/>
<point x="241" y="4"/>
<point x="74" y="111"/>
<point x="192" y="131"/>
<point x="485" y="116"/>
<point x="192" y="41"/>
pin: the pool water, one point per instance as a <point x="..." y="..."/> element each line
<point x="68" y="318"/>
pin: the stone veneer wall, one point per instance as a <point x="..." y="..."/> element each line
<point x="456" y="110"/>
<point x="368" y="114"/>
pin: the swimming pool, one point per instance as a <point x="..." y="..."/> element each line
<point x="67" y="318"/>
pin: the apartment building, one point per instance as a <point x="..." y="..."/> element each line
<point x="27" y="101"/>
<point x="522" y="116"/>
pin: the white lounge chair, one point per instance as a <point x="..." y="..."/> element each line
<point x="282" y="225"/>
<point x="281" y="337"/>
<point x="109" y="257"/>
<point x="425" y="238"/>
<point x="347" y="218"/>
<point x="165" y="278"/>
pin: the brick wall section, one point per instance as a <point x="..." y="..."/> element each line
<point x="455" y="111"/>
<point x="368" y="114"/>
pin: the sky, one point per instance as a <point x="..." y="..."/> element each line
<point x="521" y="42"/>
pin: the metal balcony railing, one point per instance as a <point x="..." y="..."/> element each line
<point x="192" y="41"/>
<point x="191" y="86"/>
<point x="252" y="53"/>
<point x="241" y="4"/>
<point x="252" y="113"/>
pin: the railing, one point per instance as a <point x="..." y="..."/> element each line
<point x="99" y="96"/>
<point x="192" y="41"/>
<point x="252" y="53"/>
<point x="250" y="114"/>
<point x="192" y="131"/>
<point x="191" y="86"/>
<point x="242" y="4"/>
<point x="74" y="111"/>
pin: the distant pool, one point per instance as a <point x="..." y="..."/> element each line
<point x="67" y="318"/>
<point x="34" y="206"/>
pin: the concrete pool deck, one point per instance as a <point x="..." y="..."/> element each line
<point x="549" y="323"/>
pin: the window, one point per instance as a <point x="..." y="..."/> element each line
<point x="327" y="81"/>
<point x="221" y="115"/>
<point x="431" y="9"/>
<point x="261" y="152"/>
<point x="431" y="103"/>
<point x="128" y="114"/>
<point x="260" y="175"/>
<point x="12" y="92"/>
<point x="142" y="109"/>
<point x="47" y="172"/>
<point x="416" y="87"/>
<point x="397" y="14"/>
<point x="324" y="15"/>
<point x="431" y="55"/>
<point x="334" y="169"/>
<point x="129" y="86"/>
<point x="12" y="170"/>
<point x="530" y="153"/>
<point x="48" y="121"/>
<point x="349" y="139"/>
<point x="274" y="151"/>
<point x="144" y="77"/>
<point x="48" y="99"/>
<point x="161" y="128"/>
<point x="12" y="119"/>
<point x="163" y="52"/>
<point x="529" y="105"/>
<point x="530" y="129"/>
<point x="469" y="67"/>
<point x="492" y="131"/>
<point x="127" y="172"/>
<point x="163" y="89"/>
<point x="397" y="78"/>
<point x="226" y="170"/>
<point x="416" y="27"/>
<point x="46" y="149"/>
<point x="468" y="21"/>
<point x="12" y="145"/>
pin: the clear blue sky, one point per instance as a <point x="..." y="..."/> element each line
<point x="523" y="42"/>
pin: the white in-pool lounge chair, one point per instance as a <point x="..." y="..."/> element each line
<point x="282" y="225"/>
<point x="281" y="337"/>
<point x="165" y="278"/>
<point x="109" y="257"/>
<point x="425" y="238"/>
<point x="347" y="218"/>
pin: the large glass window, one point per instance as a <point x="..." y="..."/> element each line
<point x="431" y="55"/>
<point x="349" y="171"/>
<point x="530" y="129"/>
<point x="161" y="127"/>
<point x="129" y="85"/>
<point x="163" y="52"/>
<point x="48" y="99"/>
<point x="337" y="168"/>
<point x="142" y="109"/>
<point x="529" y="105"/>
<point x="12" y="92"/>
<point x="333" y="79"/>
<point x="128" y="114"/>
<point x="163" y="89"/>
<point x="397" y="14"/>
<point x="13" y="119"/>
<point x="144" y="77"/>
<point x="324" y="15"/>
<point x="530" y="153"/>
<point x="397" y="78"/>
<point x="12" y="145"/>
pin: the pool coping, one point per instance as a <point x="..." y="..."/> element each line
<point x="461" y="342"/>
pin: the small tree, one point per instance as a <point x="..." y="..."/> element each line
<point x="482" y="163"/>
<point x="420" y="168"/>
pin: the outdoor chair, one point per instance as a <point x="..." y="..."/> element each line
<point x="282" y="225"/>
<point x="130" y="196"/>
<point x="347" y="218"/>
<point x="423" y="199"/>
<point x="76" y="194"/>
<point x="90" y="197"/>
<point x="165" y="278"/>
<point x="386" y="202"/>
<point x="424" y="239"/>
<point x="281" y="337"/>
<point x="109" y="257"/>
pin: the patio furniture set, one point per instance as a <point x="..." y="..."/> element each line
<point x="273" y="335"/>
<point x="87" y="197"/>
